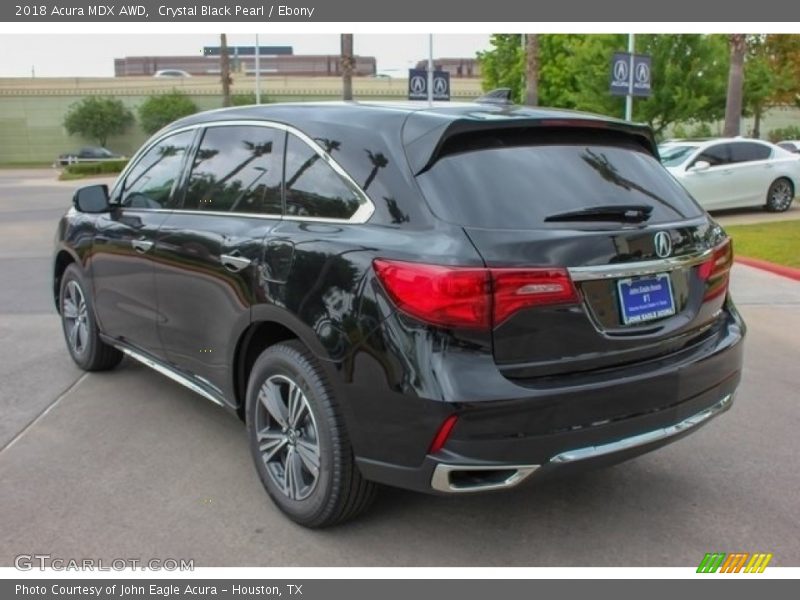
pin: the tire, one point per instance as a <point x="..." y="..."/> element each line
<point x="780" y="195"/>
<point x="293" y="419"/>
<point x="85" y="347"/>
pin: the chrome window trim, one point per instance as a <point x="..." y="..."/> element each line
<point x="363" y="213"/>
<point x="635" y="269"/>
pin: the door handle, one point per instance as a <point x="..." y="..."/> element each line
<point x="233" y="263"/>
<point x="141" y="246"/>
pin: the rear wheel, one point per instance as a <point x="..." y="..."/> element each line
<point x="298" y="440"/>
<point x="780" y="195"/>
<point x="85" y="347"/>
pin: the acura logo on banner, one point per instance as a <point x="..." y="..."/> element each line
<point x="621" y="74"/>
<point x="418" y="85"/>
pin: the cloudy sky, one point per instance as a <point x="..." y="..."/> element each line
<point x="92" y="55"/>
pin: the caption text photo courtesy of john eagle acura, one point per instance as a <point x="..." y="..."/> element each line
<point x="444" y="299"/>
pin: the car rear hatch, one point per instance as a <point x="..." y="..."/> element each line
<point x="598" y="258"/>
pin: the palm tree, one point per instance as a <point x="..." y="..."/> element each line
<point x="733" y="103"/>
<point x="347" y="66"/>
<point x="532" y="69"/>
<point x="225" y="69"/>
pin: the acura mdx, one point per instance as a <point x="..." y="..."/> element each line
<point x="445" y="299"/>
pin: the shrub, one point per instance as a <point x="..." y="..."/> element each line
<point x="97" y="118"/>
<point x="85" y="169"/>
<point x="159" y="111"/>
<point x="248" y="98"/>
<point x="792" y="132"/>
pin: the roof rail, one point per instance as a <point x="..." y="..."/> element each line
<point x="499" y="96"/>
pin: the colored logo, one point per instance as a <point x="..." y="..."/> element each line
<point x="737" y="562"/>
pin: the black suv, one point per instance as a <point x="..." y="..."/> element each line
<point x="447" y="299"/>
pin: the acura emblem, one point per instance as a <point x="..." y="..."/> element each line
<point x="663" y="244"/>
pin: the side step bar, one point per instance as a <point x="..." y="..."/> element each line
<point x="176" y="376"/>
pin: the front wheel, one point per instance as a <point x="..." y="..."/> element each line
<point x="298" y="440"/>
<point x="85" y="347"/>
<point x="780" y="195"/>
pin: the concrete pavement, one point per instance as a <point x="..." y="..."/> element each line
<point x="129" y="464"/>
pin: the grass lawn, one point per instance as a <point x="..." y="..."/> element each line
<point x="777" y="242"/>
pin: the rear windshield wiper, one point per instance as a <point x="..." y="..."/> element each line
<point x="635" y="213"/>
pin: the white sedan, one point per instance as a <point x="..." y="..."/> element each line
<point x="734" y="172"/>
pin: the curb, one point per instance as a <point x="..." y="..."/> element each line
<point x="790" y="272"/>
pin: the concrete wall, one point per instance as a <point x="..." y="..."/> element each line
<point x="32" y="110"/>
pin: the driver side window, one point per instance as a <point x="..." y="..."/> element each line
<point x="715" y="155"/>
<point x="151" y="181"/>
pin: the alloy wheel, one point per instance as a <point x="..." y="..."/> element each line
<point x="287" y="437"/>
<point x="781" y="194"/>
<point x="76" y="318"/>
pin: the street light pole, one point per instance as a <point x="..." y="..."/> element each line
<point x="430" y="69"/>
<point x="258" y="72"/>
<point x="629" y="97"/>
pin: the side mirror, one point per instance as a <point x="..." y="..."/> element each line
<point x="92" y="199"/>
<point x="700" y="165"/>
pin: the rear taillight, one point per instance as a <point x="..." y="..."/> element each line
<point x="474" y="298"/>
<point x="515" y="289"/>
<point x="446" y="296"/>
<point x="716" y="271"/>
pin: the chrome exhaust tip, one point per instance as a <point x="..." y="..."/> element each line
<point x="479" y="478"/>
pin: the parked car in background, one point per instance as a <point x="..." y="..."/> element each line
<point x="89" y="154"/>
<point x="450" y="299"/>
<point x="734" y="172"/>
<point x="171" y="73"/>
<point x="790" y="145"/>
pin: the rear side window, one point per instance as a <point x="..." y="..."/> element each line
<point x="150" y="182"/>
<point x="748" y="152"/>
<point x="237" y="169"/>
<point x="518" y="187"/>
<point x="313" y="188"/>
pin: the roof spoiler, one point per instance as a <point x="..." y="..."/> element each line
<point x="501" y="96"/>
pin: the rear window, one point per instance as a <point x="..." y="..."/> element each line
<point x="515" y="182"/>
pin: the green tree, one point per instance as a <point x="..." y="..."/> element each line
<point x="97" y="118"/>
<point x="688" y="74"/>
<point x="159" y="111"/>
<point x="502" y="65"/>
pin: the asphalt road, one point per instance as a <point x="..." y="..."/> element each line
<point x="128" y="464"/>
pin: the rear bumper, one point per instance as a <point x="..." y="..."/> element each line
<point x="449" y="473"/>
<point x="553" y="428"/>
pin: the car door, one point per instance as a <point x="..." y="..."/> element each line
<point x="121" y="263"/>
<point x="752" y="172"/>
<point x="209" y="250"/>
<point x="711" y="187"/>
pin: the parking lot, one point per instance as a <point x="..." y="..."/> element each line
<point x="130" y="464"/>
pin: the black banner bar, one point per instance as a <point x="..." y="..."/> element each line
<point x="730" y="588"/>
<point x="259" y="11"/>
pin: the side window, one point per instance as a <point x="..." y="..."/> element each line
<point x="715" y="155"/>
<point x="748" y="151"/>
<point x="313" y="188"/>
<point x="237" y="168"/>
<point x="149" y="183"/>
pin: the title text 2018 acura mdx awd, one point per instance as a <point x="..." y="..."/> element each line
<point x="446" y="299"/>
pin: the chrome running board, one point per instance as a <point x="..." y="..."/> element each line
<point x="171" y="373"/>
